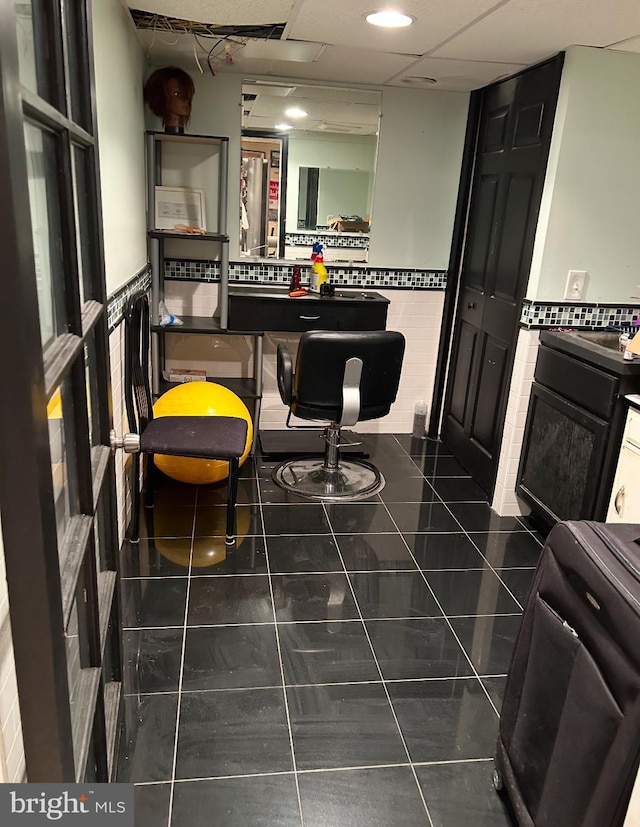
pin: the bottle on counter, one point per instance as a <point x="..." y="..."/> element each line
<point x="318" y="270"/>
<point x="296" y="275"/>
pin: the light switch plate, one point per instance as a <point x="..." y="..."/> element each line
<point x="574" y="291"/>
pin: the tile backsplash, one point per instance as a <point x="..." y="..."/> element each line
<point x="534" y="315"/>
<point x="544" y="315"/>
<point x="118" y="300"/>
<point x="279" y="273"/>
<point x="302" y="239"/>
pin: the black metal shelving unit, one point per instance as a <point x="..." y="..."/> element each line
<point x="248" y="388"/>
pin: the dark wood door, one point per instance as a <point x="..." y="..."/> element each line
<point x="514" y="133"/>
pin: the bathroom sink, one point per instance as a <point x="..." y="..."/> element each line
<point x="608" y="339"/>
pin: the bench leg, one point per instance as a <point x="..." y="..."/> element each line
<point x="232" y="494"/>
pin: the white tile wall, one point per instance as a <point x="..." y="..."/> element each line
<point x="505" y="501"/>
<point x="12" y="761"/>
<point x="415" y="313"/>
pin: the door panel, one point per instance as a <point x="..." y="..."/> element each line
<point x="480" y="233"/>
<point x="459" y="393"/>
<point x="495" y="131"/>
<point x="517" y="216"/>
<point x="494" y="366"/>
<point x="528" y="129"/>
<point x="515" y="126"/>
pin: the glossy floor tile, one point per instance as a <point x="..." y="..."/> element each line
<point x="344" y="665"/>
<point x="445" y="720"/>
<point x="230" y="657"/>
<point x="262" y="801"/>
<point x="384" y="797"/>
<point x="333" y="652"/>
<point x="461" y="794"/>
<point x="232" y="732"/>
<point x="343" y="725"/>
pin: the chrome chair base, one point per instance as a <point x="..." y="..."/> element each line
<point x="314" y="479"/>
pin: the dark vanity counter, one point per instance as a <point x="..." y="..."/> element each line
<point x="598" y="348"/>
<point x="586" y="367"/>
<point x="263" y="308"/>
<point x="574" y="426"/>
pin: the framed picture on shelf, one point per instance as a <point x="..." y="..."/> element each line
<point x="179" y="207"/>
<point x="275" y="159"/>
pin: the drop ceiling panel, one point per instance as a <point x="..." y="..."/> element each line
<point x="457" y="75"/>
<point x="221" y="12"/>
<point x="166" y="48"/>
<point x="339" y="22"/>
<point x="336" y="64"/>
<point x="525" y="31"/>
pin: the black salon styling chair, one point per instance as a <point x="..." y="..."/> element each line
<point x="201" y="437"/>
<point x="340" y="378"/>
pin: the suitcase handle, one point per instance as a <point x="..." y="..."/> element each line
<point x="618" y="500"/>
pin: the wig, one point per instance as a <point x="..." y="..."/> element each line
<point x="155" y="94"/>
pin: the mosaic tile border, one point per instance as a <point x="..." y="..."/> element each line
<point x="118" y="300"/>
<point x="360" y="241"/>
<point x="263" y="272"/>
<point x="544" y="315"/>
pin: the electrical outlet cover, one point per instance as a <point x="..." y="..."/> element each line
<point x="574" y="291"/>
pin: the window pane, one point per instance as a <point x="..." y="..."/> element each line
<point x="92" y="391"/>
<point x="80" y="696"/>
<point x="100" y="535"/>
<point x="32" y="24"/>
<point x="77" y="68"/>
<point x="83" y="207"/>
<point x="63" y="465"/>
<point x="45" y="221"/>
<point x="72" y="643"/>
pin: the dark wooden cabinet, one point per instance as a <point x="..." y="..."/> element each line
<point x="574" y="428"/>
<point x="562" y="457"/>
<point x="262" y="309"/>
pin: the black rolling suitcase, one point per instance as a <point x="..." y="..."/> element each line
<point x="569" y="739"/>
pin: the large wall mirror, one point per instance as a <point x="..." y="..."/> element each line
<point x="308" y="169"/>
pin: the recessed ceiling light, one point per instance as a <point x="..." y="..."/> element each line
<point x="283" y="126"/>
<point x="416" y="80"/>
<point x="389" y="19"/>
<point x="295" y="112"/>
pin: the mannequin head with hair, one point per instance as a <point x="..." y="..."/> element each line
<point x="168" y="93"/>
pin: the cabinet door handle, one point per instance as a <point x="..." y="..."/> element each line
<point x="471" y="305"/>
<point x="309" y="318"/>
<point x="618" y="502"/>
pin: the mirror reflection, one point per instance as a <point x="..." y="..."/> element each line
<point x="308" y="170"/>
<point x="328" y="198"/>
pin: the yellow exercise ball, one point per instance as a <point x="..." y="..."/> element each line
<point x="200" y="399"/>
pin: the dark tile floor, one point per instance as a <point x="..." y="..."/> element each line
<point x="344" y="666"/>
